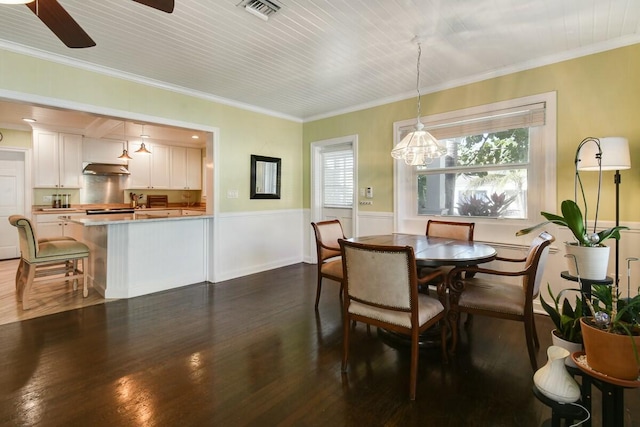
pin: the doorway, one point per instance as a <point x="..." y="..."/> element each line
<point x="334" y="204"/>
<point x="12" y="199"/>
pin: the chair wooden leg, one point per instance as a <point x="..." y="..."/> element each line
<point x="318" y="289"/>
<point x="413" y="370"/>
<point x="20" y="278"/>
<point x="85" y="290"/>
<point x="345" y="342"/>
<point x="30" y="272"/>
<point x="443" y="339"/>
<point x="528" y="332"/>
<point x="74" y="269"/>
<point x="535" y="332"/>
<point x="454" y="316"/>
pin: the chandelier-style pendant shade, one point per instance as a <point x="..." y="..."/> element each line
<point x="418" y="147"/>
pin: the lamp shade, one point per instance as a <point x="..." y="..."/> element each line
<point x="615" y="155"/>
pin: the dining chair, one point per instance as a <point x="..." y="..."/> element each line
<point x="46" y="260"/>
<point x="328" y="251"/>
<point x="488" y="296"/>
<point x="449" y="230"/>
<point x="381" y="289"/>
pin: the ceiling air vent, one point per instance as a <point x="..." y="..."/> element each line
<point x="263" y="9"/>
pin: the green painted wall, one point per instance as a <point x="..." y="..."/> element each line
<point x="242" y="133"/>
<point x="598" y="95"/>
<point x="15" y="138"/>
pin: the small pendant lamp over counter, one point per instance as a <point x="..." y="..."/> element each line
<point x="142" y="148"/>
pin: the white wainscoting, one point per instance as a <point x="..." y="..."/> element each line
<point x="251" y="242"/>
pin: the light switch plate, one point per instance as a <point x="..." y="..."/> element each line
<point x="232" y="194"/>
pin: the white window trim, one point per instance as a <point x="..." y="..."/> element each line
<point x="541" y="188"/>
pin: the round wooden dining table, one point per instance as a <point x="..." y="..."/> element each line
<point x="435" y="251"/>
<point x="430" y="252"/>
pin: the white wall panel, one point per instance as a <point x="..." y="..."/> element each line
<point x="251" y="242"/>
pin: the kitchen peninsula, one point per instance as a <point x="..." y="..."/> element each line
<point x="141" y="253"/>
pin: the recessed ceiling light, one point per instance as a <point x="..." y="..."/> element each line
<point x="29" y="120"/>
<point x="145" y="136"/>
<point x="195" y="137"/>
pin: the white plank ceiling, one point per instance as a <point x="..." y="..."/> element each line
<point x="315" y="58"/>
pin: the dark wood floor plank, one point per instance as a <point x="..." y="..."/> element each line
<point x="253" y="352"/>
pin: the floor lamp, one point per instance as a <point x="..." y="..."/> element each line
<point x="610" y="153"/>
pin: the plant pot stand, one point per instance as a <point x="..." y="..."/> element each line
<point x="586" y="283"/>
<point x="612" y="392"/>
<point x="560" y="411"/>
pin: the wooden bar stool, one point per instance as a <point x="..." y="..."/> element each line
<point x="47" y="260"/>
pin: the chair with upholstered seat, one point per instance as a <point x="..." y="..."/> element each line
<point x="487" y="296"/>
<point x="449" y="230"/>
<point x="47" y="260"/>
<point x="328" y="251"/>
<point x="381" y="289"/>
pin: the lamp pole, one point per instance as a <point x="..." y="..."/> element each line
<point x="616" y="180"/>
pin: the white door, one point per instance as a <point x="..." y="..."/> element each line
<point x="319" y="210"/>
<point x="12" y="172"/>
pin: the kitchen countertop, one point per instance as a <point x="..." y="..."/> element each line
<point x="111" y="219"/>
<point x="83" y="209"/>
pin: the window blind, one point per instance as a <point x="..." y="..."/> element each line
<point x="338" y="177"/>
<point x="511" y="118"/>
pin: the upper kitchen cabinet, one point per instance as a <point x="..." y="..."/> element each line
<point x="186" y="168"/>
<point x="149" y="170"/>
<point x="57" y="160"/>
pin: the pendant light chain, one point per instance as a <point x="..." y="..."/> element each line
<point x="418" y="80"/>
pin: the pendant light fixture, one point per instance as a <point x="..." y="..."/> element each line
<point x="418" y="147"/>
<point x="142" y="148"/>
<point x="125" y="154"/>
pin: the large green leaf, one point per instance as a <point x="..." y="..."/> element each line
<point x="573" y="217"/>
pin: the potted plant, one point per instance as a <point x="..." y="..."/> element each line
<point x="566" y="318"/>
<point x="591" y="256"/>
<point x="612" y="336"/>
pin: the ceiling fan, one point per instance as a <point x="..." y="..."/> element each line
<point x="67" y="29"/>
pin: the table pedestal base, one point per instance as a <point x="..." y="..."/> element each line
<point x="427" y="340"/>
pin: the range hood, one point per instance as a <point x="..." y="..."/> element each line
<point x="105" y="169"/>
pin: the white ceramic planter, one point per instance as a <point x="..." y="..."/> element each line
<point x="571" y="347"/>
<point x="592" y="261"/>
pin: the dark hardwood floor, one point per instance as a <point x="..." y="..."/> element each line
<point x="253" y="352"/>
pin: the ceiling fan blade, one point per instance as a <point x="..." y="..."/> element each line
<point x="61" y="23"/>
<point x="163" y="5"/>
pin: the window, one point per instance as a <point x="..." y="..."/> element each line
<point x="481" y="175"/>
<point x="338" y="176"/>
<point x="498" y="163"/>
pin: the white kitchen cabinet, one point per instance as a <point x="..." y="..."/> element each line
<point x="149" y="170"/>
<point x="50" y="225"/>
<point x="186" y="168"/>
<point x="57" y="160"/>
